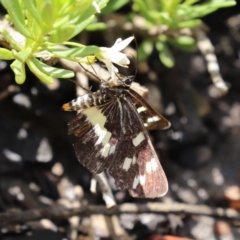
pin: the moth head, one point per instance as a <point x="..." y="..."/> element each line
<point x="122" y="81"/>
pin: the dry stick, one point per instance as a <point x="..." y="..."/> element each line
<point x="59" y="212"/>
<point x="18" y="37"/>
<point x="8" y="91"/>
<point x="206" y="48"/>
<point x="116" y="231"/>
<point x="106" y="190"/>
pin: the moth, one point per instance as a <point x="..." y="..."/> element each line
<point x="111" y="129"/>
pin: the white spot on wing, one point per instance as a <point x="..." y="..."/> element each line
<point x="139" y="179"/>
<point x="135" y="182"/>
<point x="112" y="149"/>
<point x="155" y="164"/>
<point x="127" y="163"/>
<point x="134" y="160"/>
<point x="105" y="150"/>
<point x="97" y="119"/>
<point x="138" y="139"/>
<point x="142" y="179"/>
<point x="148" y="167"/>
<point x="141" y="109"/>
<point x="156" y="118"/>
<point x="153" y="119"/>
<point x="152" y="165"/>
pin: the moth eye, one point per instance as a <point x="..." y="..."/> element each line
<point x="128" y="81"/>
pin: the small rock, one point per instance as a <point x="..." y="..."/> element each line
<point x="222" y="228"/>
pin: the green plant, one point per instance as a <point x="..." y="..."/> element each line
<point x="48" y="25"/>
<point x="169" y="22"/>
<point x="45" y="24"/>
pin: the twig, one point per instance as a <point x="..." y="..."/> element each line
<point x="206" y="48"/>
<point x="60" y="212"/>
<point x="8" y="91"/>
<point x="18" y="37"/>
<point x="106" y="190"/>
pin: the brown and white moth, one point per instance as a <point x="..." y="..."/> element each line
<point x="111" y="129"/>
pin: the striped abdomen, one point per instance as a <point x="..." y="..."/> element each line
<point x="82" y="102"/>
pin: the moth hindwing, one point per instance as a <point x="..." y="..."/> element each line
<point x="111" y="130"/>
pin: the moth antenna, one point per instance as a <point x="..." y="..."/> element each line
<point x="79" y="85"/>
<point x="135" y="40"/>
<point x="93" y="74"/>
<point x="100" y="79"/>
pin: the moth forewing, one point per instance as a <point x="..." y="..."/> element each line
<point x="151" y="181"/>
<point x="111" y="134"/>
<point x="151" y="118"/>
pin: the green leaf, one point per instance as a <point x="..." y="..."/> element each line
<point x="19" y="71"/>
<point x="80" y="21"/>
<point x="143" y="9"/>
<point x="80" y="27"/>
<point x="84" y="20"/>
<point x="22" y="56"/>
<point x="47" y="12"/>
<point x="114" y="5"/>
<point x="6" y="54"/>
<point x="173" y="5"/>
<point x="15" y="11"/>
<point x="52" y="71"/>
<point x="42" y="76"/>
<point x="96" y="26"/>
<point x="190" y="2"/>
<point x="222" y="4"/>
<point x="189" y="24"/>
<point x="144" y="50"/>
<point x="165" y="18"/>
<point x="103" y="3"/>
<point x="31" y="7"/>
<point x="165" y="55"/>
<point x="74" y="52"/>
<point x="163" y="5"/>
<point x="185" y="43"/>
<point x="200" y="10"/>
<point x="62" y="34"/>
<point x="185" y="40"/>
<point x="160" y="45"/>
